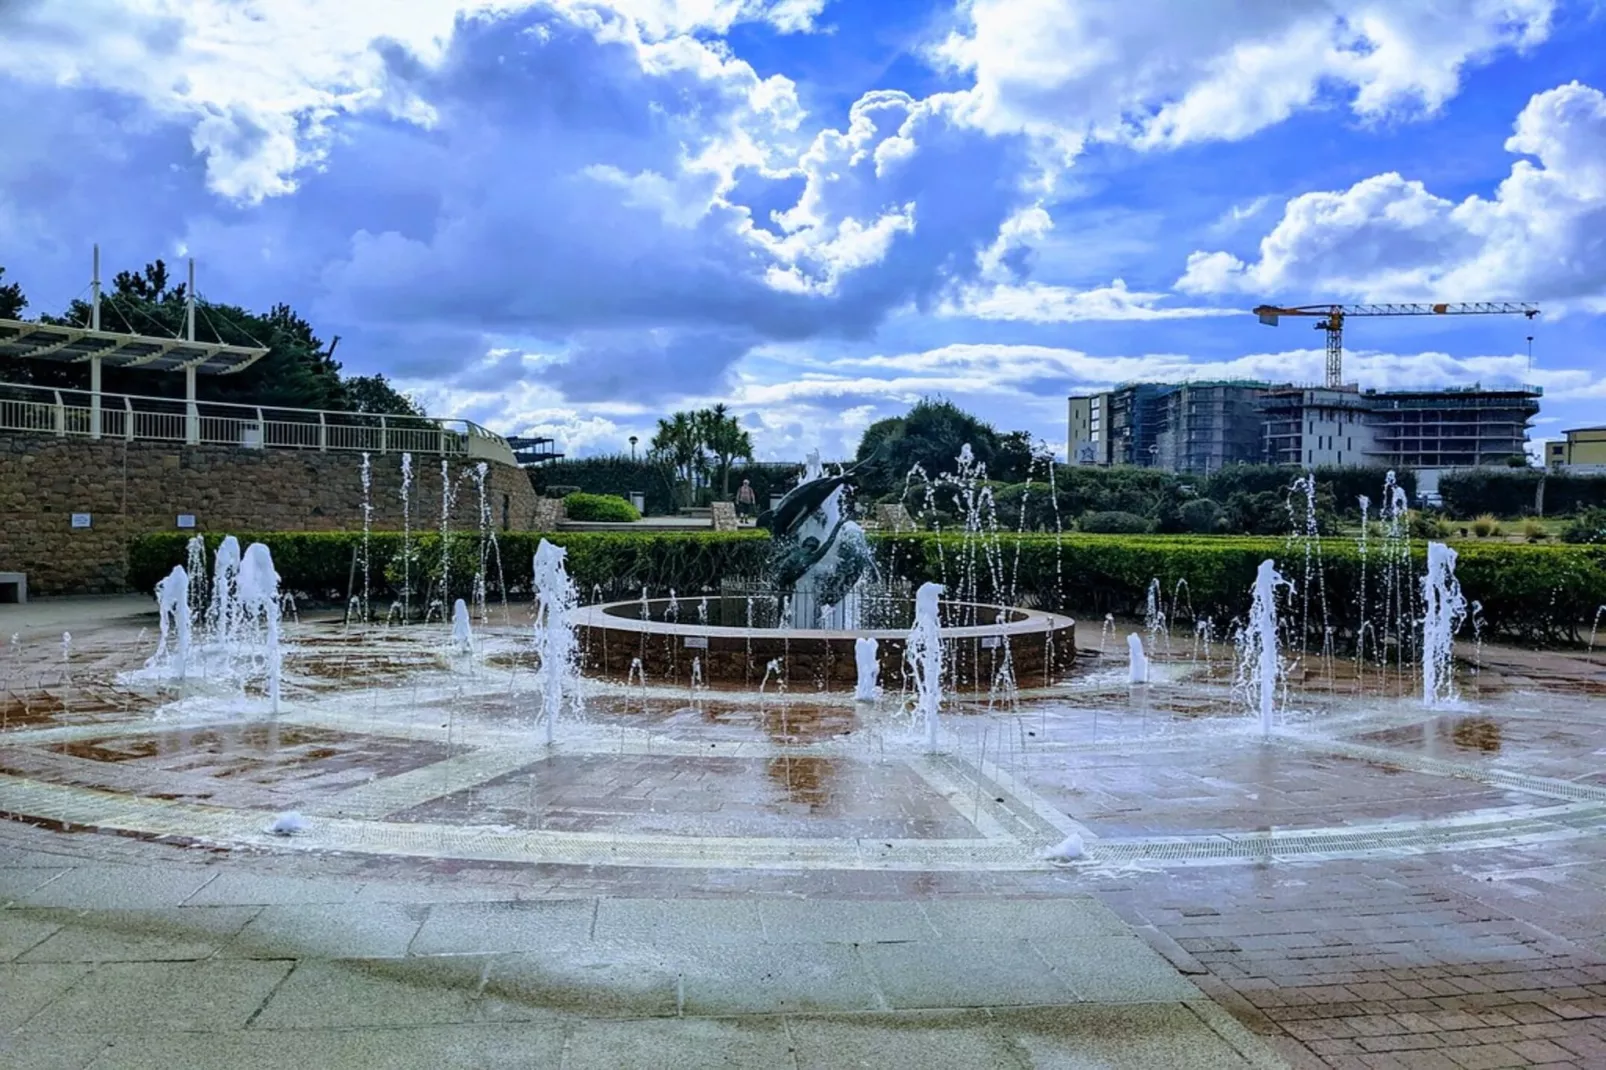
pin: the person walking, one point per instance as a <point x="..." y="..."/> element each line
<point x="745" y="500"/>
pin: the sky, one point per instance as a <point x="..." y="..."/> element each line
<point x="573" y="217"/>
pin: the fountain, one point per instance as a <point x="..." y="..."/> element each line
<point x="865" y="654"/>
<point x="173" y="607"/>
<point x="462" y="631"/>
<point x="225" y="590"/>
<point x="821" y="596"/>
<point x="1259" y="665"/>
<point x="1137" y="670"/>
<point x="1444" y="609"/>
<point x="555" y="641"/>
<point x="923" y="653"/>
<point x="259" y="600"/>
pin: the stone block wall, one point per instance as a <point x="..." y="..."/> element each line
<point x="131" y="488"/>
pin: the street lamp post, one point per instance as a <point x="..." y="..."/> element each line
<point x="632" y="447"/>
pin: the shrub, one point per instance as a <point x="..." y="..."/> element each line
<point x="605" y="508"/>
<point x="1501" y="492"/>
<point x="1028" y="507"/>
<point x="1588" y="528"/>
<point x="1202" y="516"/>
<point x="1113" y="523"/>
<point x="1259" y="513"/>
<point x="1533" y="530"/>
<point x="617" y="475"/>
<point x="1485" y="526"/>
<point x="1425" y="525"/>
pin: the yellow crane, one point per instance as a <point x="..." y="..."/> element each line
<point x="1332" y="319"/>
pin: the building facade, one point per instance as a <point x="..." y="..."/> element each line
<point x="1583" y="449"/>
<point x="1199" y="428"/>
<point x="1183" y="427"/>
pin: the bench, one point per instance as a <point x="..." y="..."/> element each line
<point x="14" y="587"/>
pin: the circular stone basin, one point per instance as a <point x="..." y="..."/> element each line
<point x="1035" y="648"/>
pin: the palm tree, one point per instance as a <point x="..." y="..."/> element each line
<point x="726" y="440"/>
<point x="679" y="441"/>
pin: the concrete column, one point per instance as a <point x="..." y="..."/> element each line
<point x="192" y="415"/>
<point x="94" y="397"/>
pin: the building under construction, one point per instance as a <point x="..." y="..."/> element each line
<point x="1201" y="427"/>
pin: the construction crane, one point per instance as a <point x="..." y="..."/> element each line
<point x="1333" y="317"/>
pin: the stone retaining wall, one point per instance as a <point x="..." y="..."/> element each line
<point x="131" y="488"/>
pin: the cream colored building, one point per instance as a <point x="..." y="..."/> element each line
<point x="1584" y="447"/>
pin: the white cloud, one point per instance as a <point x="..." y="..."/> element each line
<point x="1035" y="302"/>
<point x="829" y="403"/>
<point x="259" y="83"/>
<point x="1390" y="238"/>
<point x="1158" y="73"/>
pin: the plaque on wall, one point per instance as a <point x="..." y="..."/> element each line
<point x="186" y="520"/>
<point x="80" y="520"/>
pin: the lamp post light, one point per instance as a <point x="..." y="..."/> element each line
<point x="632" y="447"/>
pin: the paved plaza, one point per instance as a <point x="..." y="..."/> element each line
<point x="691" y="877"/>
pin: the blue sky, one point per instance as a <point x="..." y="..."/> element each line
<point x="574" y="216"/>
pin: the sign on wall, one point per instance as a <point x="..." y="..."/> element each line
<point x="186" y="520"/>
<point x="80" y="520"/>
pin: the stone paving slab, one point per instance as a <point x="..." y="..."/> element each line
<point x="696" y="1044"/>
<point x="355" y="994"/>
<point x="937" y="974"/>
<point x="449" y="1047"/>
<point x="598" y="982"/>
<point x="333" y="930"/>
<point x="174" y="934"/>
<point x="492" y="928"/>
<point x="160" y="997"/>
<point x="127" y="887"/>
<point x="930" y="1040"/>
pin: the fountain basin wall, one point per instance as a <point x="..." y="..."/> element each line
<point x="1037" y="648"/>
<point x="134" y="488"/>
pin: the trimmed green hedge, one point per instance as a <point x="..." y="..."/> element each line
<point x="318" y="564"/>
<point x="1529" y="592"/>
<point x="608" y="508"/>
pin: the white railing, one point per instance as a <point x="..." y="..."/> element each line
<point x="132" y="418"/>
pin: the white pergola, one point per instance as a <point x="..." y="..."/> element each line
<point x="97" y="348"/>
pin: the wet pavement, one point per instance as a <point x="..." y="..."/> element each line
<point x="1377" y="885"/>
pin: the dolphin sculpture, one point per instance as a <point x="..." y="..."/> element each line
<point x="806" y="497"/>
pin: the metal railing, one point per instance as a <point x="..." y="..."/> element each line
<point x="133" y="418"/>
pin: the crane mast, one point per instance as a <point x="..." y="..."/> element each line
<point x="1330" y="318"/>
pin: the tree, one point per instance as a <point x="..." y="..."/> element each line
<point x="931" y="436"/>
<point x="12" y="302"/>
<point x="678" y="443"/>
<point x="1015" y="458"/>
<point x="375" y="394"/>
<point x="724" y="437"/>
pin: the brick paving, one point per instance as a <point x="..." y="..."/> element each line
<point x="1435" y="961"/>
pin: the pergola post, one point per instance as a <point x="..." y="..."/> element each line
<point x="94" y="361"/>
<point x="192" y="415"/>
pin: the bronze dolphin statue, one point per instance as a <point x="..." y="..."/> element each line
<point x="804" y="498"/>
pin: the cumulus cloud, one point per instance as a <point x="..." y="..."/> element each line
<point x="804" y="402"/>
<point x="1035" y="302"/>
<point x="587" y="185"/>
<point x="1391" y="238"/>
<point x="259" y="85"/>
<point x="1159" y="74"/>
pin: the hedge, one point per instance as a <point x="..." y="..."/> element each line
<point x="1514" y="492"/>
<point x="1528" y="592"/>
<point x="607" y="508"/>
<point x="318" y="565"/>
